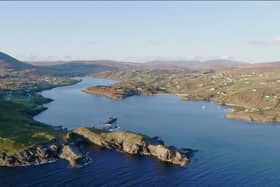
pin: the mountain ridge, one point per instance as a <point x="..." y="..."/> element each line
<point x="11" y="62"/>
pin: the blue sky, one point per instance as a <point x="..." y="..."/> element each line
<point x="140" y="30"/>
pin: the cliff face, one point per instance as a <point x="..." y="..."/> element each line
<point x="132" y="143"/>
<point x="44" y="154"/>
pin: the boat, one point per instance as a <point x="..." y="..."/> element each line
<point x="109" y="125"/>
<point x="111" y="120"/>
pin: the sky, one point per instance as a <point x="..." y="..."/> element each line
<point x="141" y="31"/>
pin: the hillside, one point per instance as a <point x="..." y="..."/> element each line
<point x="267" y="65"/>
<point x="110" y="65"/>
<point x="18" y="129"/>
<point x="196" y="64"/>
<point x="252" y="93"/>
<point x="71" y="69"/>
<point x="6" y="61"/>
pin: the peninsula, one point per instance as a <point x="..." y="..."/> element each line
<point x="252" y="92"/>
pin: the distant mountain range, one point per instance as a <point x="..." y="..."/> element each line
<point x="268" y="65"/>
<point x="74" y="69"/>
<point x="192" y="64"/>
<point x="81" y="68"/>
<point x="62" y="69"/>
<point x="196" y="64"/>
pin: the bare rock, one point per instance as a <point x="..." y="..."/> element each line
<point x="73" y="155"/>
<point x="132" y="143"/>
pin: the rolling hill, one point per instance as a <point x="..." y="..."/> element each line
<point x="64" y="69"/>
<point x="7" y="61"/>
<point x="197" y="64"/>
<point x="73" y="69"/>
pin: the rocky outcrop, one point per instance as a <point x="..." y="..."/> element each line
<point x="44" y="154"/>
<point x="132" y="143"/>
<point x="32" y="156"/>
<point x="168" y="154"/>
<point x="73" y="155"/>
<point x="128" y="142"/>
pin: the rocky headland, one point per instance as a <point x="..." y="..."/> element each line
<point x="71" y="151"/>
<point x="132" y="143"/>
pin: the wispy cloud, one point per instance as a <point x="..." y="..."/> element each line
<point x="266" y="42"/>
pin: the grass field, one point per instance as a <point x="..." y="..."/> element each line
<point x="18" y="130"/>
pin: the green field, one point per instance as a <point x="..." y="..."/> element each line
<point x="18" y="130"/>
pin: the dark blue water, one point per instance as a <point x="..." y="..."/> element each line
<point x="231" y="153"/>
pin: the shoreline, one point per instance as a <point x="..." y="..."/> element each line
<point x="236" y="112"/>
<point x="41" y="153"/>
<point x="70" y="149"/>
<point x="49" y="100"/>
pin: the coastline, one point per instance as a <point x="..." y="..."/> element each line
<point x="70" y="149"/>
<point x="236" y="112"/>
<point x="38" y="153"/>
